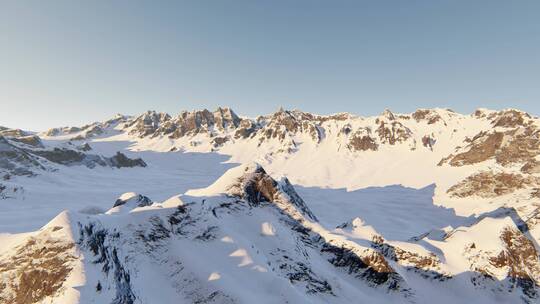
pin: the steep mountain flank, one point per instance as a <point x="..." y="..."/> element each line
<point x="229" y="242"/>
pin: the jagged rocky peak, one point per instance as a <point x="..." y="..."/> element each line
<point x="133" y="199"/>
<point x="147" y="123"/>
<point x="30" y="140"/>
<point x="389" y="131"/>
<point x="22" y="137"/>
<point x="116" y="119"/>
<point x="481" y="113"/>
<point x="16" y="161"/>
<point x="186" y="123"/>
<point x="510" y="118"/>
<point x="430" y="116"/>
<point x="61" y="131"/>
<point x="251" y="183"/>
<point x="507" y="118"/>
<point x="13" y="132"/>
<point x="88" y="130"/>
<point x="226" y="118"/>
<point x="285" y="123"/>
<point x="387" y="114"/>
<point x="254" y="184"/>
<point x="26" y="156"/>
<point x="204" y="121"/>
<point x="129" y="201"/>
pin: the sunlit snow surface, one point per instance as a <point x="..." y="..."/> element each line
<point x="396" y="192"/>
<point x="381" y="187"/>
<point x="387" y="209"/>
<point x="79" y="188"/>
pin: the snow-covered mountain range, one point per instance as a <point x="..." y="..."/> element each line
<point x="291" y="207"/>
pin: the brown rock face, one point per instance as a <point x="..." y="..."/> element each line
<point x="13" y="132"/>
<point x="226" y="118"/>
<point x="366" y="264"/>
<point x="186" y="123"/>
<point x="192" y="123"/>
<point x="393" y="132"/>
<point x="219" y="141"/>
<point x="148" y="123"/>
<point x="535" y="193"/>
<point x="31" y="140"/>
<point x="362" y="143"/>
<point x="482" y="147"/>
<point x="430" y="116"/>
<point x="246" y="129"/>
<point x="489" y="184"/>
<point x="524" y="144"/>
<point x="514" y="146"/>
<point x="479" y="113"/>
<point x="520" y="258"/>
<point x="509" y="119"/>
<point x="283" y="123"/>
<point x="255" y="186"/>
<point x="428" y="142"/>
<point x="519" y="255"/>
<point x="37" y="270"/>
<point x="531" y="167"/>
<point x="59" y="131"/>
<point x="404" y="257"/>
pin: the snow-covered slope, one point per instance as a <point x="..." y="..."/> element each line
<point x="392" y="208"/>
<point x="249" y="238"/>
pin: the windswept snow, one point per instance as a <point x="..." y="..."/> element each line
<point x="346" y="208"/>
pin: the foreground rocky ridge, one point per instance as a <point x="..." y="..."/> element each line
<point x="248" y="232"/>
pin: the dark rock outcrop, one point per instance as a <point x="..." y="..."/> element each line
<point x="17" y="161"/>
<point x="256" y="186"/>
<point x="392" y="132"/>
<point x="120" y="160"/>
<point x="428" y="141"/>
<point x="30" y="140"/>
<point x="135" y="200"/>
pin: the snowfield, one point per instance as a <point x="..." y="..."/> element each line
<point x="289" y="207"/>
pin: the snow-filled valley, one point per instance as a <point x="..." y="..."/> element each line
<point x="291" y="207"/>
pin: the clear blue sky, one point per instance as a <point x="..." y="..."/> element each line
<point x="72" y="62"/>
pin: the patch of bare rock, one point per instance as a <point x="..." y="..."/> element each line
<point x="487" y="184"/>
